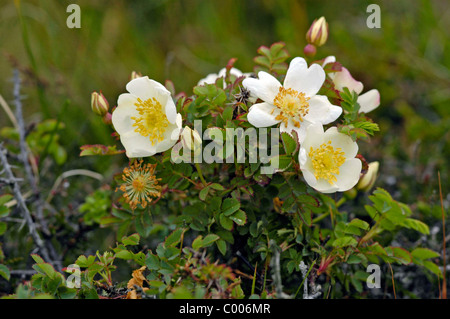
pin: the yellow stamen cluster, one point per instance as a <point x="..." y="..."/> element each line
<point x="326" y="161"/>
<point x="153" y="120"/>
<point x="140" y="184"/>
<point x="292" y="105"/>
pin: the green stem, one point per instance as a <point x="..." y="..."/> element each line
<point x="319" y="218"/>
<point x="199" y="170"/>
<point x="341" y="201"/>
<point x="324" y="215"/>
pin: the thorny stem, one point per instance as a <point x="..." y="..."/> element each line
<point x="26" y="157"/>
<point x="22" y="132"/>
<point x="21" y="203"/>
<point x="185" y="177"/>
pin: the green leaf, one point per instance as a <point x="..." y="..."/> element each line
<point x="276" y="48"/>
<point x="37" y="259"/>
<point x="263" y="50"/>
<point x="4" y="272"/>
<point x="345" y="242"/>
<point x="45" y="269"/>
<point x="124" y="254"/>
<point x="84" y="262"/>
<point x="174" y="238"/>
<point x="131" y="240"/>
<point x="357" y="284"/>
<point x="281" y="162"/>
<point x="289" y="143"/>
<point x="217" y="187"/>
<point x="306" y="215"/>
<point x="203" y="193"/>
<point x="262" y="60"/>
<point x="156" y="283"/>
<point x="359" y="223"/>
<point x="416" y="225"/>
<point x="377" y="249"/>
<point x="230" y="205"/>
<point x="356" y="259"/>
<point x="402" y="255"/>
<point x="214" y="94"/>
<point x="215" y="204"/>
<point x="227" y="113"/>
<point x="4" y="211"/>
<point x="201" y="90"/>
<point x="239" y="217"/>
<point x="5" y="198"/>
<point x="226" y="222"/>
<point x="67" y="293"/>
<point x="424" y="253"/>
<point x="3" y="227"/>
<point x="209" y="239"/>
<point x="152" y="262"/>
<point x="198" y="242"/>
<point x="433" y="268"/>
<point x="222" y="245"/>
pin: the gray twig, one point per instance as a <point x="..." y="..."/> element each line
<point x="276" y="274"/>
<point x="315" y="289"/>
<point x="24" y="155"/>
<point x="22" y="205"/>
<point x="22" y="133"/>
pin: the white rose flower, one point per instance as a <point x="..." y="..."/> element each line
<point x="294" y="104"/>
<point x="327" y="160"/>
<point x="367" y="101"/>
<point x="146" y="118"/>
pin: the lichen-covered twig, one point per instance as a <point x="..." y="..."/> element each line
<point x="25" y="155"/>
<point x="276" y="272"/>
<point x="22" y="133"/>
<point x="22" y="205"/>
<point x="315" y="289"/>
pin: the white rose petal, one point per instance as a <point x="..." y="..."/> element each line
<point x="367" y="101"/>
<point x="211" y="78"/>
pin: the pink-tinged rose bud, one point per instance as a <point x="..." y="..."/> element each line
<point x="107" y="119"/>
<point x="99" y="104"/>
<point x="318" y="32"/>
<point x="310" y="50"/>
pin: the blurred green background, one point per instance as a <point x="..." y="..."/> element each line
<point x="407" y="60"/>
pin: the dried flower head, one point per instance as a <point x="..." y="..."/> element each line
<point x="139" y="184"/>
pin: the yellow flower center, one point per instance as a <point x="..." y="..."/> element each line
<point x="152" y="121"/>
<point x="138" y="184"/>
<point x="292" y="105"/>
<point x="326" y="161"/>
